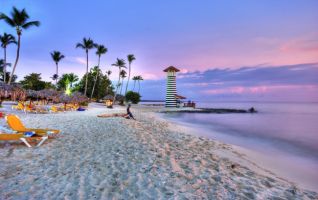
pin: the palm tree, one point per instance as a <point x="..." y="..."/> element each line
<point x="120" y="63"/>
<point x="5" y="40"/>
<point x="135" y="78"/>
<point x="87" y="45"/>
<point x="72" y="78"/>
<point x="54" y="77"/>
<point x="130" y="59"/>
<point x="108" y="73"/>
<point x="123" y="76"/>
<point x="139" y="78"/>
<point x="18" y="20"/>
<point x="101" y="49"/>
<point x="57" y="57"/>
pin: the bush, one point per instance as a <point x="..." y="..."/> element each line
<point x="134" y="97"/>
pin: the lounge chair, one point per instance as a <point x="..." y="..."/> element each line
<point x="15" y="124"/>
<point x="23" y="138"/>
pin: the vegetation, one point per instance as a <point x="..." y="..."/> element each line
<point x="120" y="63"/>
<point x="133" y="97"/>
<point x="57" y="57"/>
<point x="101" y="49"/>
<point x="138" y="79"/>
<point x="130" y="59"/>
<point x="5" y="40"/>
<point x="65" y="80"/>
<point x="122" y="76"/>
<point x="34" y="81"/>
<point x="19" y="21"/>
<point x="87" y="45"/>
<point x="94" y="83"/>
<point x="7" y="74"/>
<point x="103" y="84"/>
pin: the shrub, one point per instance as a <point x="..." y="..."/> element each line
<point x="134" y="97"/>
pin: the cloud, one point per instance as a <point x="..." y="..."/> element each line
<point x="263" y="82"/>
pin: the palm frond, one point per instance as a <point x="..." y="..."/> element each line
<point x="29" y="24"/>
<point x="7" y="19"/>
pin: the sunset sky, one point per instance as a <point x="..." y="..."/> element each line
<point x="245" y="50"/>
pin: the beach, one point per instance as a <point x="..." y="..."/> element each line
<point x="117" y="158"/>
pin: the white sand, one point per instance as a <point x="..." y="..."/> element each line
<point x="150" y="158"/>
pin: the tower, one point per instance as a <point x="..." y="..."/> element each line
<point x="171" y="89"/>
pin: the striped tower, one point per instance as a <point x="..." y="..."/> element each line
<point x="171" y="91"/>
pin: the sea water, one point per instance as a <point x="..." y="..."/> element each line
<point x="281" y="136"/>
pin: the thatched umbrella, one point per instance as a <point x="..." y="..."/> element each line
<point x="13" y="91"/>
<point x="78" y="97"/>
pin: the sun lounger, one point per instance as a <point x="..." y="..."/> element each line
<point x="15" y="124"/>
<point x="22" y="137"/>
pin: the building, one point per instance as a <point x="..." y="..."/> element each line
<point x="171" y="90"/>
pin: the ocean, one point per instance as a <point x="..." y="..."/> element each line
<point x="282" y="137"/>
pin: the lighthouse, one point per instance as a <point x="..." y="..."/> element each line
<point x="171" y="90"/>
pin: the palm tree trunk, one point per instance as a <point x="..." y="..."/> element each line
<point x="16" y="59"/>
<point x="97" y="73"/>
<point x="117" y="86"/>
<point x="122" y="84"/>
<point x="5" y="65"/>
<point x="134" y="85"/>
<point x="57" y="72"/>
<point x="85" y="91"/>
<point x="128" y="79"/>
<point x="138" y="86"/>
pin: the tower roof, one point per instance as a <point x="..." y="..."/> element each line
<point x="171" y="68"/>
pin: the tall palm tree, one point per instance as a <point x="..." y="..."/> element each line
<point x="57" y="57"/>
<point x="123" y="76"/>
<point x="18" y="20"/>
<point x="101" y="49"/>
<point x="120" y="63"/>
<point x="87" y="45"/>
<point x="130" y="59"/>
<point x="139" y="78"/>
<point x="5" y="40"/>
<point x="135" y="78"/>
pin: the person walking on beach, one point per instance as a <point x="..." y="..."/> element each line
<point x="129" y="114"/>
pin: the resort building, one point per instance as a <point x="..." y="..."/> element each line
<point x="171" y="90"/>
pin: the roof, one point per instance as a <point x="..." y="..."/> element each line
<point x="180" y="97"/>
<point x="171" y="68"/>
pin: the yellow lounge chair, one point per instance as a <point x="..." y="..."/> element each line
<point x="20" y="106"/>
<point x="15" y="124"/>
<point x="23" y="138"/>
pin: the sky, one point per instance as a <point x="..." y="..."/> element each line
<point x="226" y="50"/>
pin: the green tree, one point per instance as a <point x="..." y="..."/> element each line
<point x="87" y="45"/>
<point x="134" y="97"/>
<point x="122" y="76"/>
<point x="120" y="63"/>
<point x="2" y="65"/>
<point x="5" y="40"/>
<point x="130" y="59"/>
<point x="18" y="20"/>
<point x="135" y="78"/>
<point x="102" y="83"/>
<point x="57" y="57"/>
<point x="101" y="49"/>
<point x="33" y="81"/>
<point x="139" y="78"/>
<point x="70" y="78"/>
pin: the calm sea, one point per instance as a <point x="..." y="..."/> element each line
<point x="281" y="136"/>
